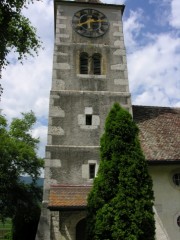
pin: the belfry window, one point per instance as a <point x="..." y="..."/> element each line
<point x="84" y="63"/>
<point x="90" y="64"/>
<point x="96" y="58"/>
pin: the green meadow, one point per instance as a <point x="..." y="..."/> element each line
<point x="5" y="230"/>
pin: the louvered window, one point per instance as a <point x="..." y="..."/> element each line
<point x="84" y="63"/>
<point x="96" y="58"/>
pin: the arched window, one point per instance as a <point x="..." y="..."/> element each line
<point x="96" y="58"/>
<point x="83" y="63"/>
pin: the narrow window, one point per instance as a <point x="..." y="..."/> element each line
<point x="176" y="179"/>
<point x="178" y="221"/>
<point x="88" y="119"/>
<point x="92" y="168"/>
<point x="96" y="58"/>
<point x="84" y="63"/>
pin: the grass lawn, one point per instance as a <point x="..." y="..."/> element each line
<point x="5" y="230"/>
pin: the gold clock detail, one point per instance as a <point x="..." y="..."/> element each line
<point x="90" y="23"/>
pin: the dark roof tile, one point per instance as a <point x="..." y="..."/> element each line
<point x="159" y="132"/>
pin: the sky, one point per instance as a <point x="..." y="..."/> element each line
<point x="152" y="40"/>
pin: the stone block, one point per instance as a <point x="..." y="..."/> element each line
<point x="118" y="67"/>
<point x="55" y="130"/>
<point x="88" y="110"/>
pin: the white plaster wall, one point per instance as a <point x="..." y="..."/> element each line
<point x="167" y="198"/>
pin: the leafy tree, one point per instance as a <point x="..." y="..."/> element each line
<point x="18" y="157"/>
<point x="16" y="31"/>
<point x="120" y="204"/>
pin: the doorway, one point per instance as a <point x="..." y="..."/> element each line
<point x="81" y="230"/>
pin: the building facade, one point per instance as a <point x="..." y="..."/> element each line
<point x="89" y="75"/>
<point x="160" y="141"/>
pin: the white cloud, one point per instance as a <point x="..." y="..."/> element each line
<point x="153" y="63"/>
<point x="177" y="104"/>
<point x="26" y="87"/>
<point x="41" y="15"/>
<point x="40" y="132"/>
<point x="175" y="16"/>
<point x="153" y="95"/>
<point x="132" y="27"/>
<point x="154" y="72"/>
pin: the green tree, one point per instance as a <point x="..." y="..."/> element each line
<point x="120" y="204"/>
<point x="18" y="157"/>
<point x="16" y="31"/>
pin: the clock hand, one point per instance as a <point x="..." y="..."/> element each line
<point x="83" y="23"/>
<point x="91" y="20"/>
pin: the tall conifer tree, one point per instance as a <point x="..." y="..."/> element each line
<point x="120" y="205"/>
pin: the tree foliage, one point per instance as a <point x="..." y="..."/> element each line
<point x="120" y="205"/>
<point x="16" y="31"/>
<point x="17" y="157"/>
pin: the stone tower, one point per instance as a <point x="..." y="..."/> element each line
<point x="89" y="75"/>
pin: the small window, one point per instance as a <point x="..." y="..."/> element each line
<point x="176" y="179"/>
<point x="178" y="221"/>
<point x="84" y="63"/>
<point x="96" y="64"/>
<point x="92" y="168"/>
<point x="88" y="119"/>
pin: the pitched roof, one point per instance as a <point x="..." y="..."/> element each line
<point x="68" y="196"/>
<point x="159" y="132"/>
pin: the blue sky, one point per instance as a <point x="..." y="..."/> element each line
<point x="152" y="39"/>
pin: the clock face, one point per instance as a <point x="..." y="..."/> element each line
<point x="90" y="23"/>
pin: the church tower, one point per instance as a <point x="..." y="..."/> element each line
<point x="89" y="75"/>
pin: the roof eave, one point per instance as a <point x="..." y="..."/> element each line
<point x="164" y="162"/>
<point x="66" y="208"/>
